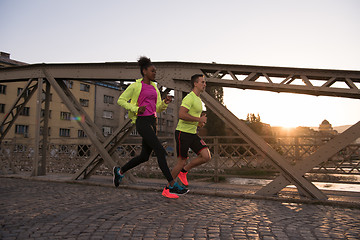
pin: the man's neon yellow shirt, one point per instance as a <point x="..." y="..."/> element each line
<point x="194" y="104"/>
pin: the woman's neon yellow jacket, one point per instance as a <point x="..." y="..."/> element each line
<point x="132" y="93"/>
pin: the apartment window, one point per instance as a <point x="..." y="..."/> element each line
<point x="161" y="121"/>
<point x="2" y="89"/>
<point x="108" y="114"/>
<point x="69" y="83"/>
<point x="84" y="87"/>
<point x="43" y="95"/>
<point x="21" y="129"/>
<point x="42" y="131"/>
<point x="64" y="132"/>
<point x="106" y="130"/>
<point x="169" y="111"/>
<point x="65" y="115"/>
<point x="169" y="123"/>
<point x="81" y="134"/>
<point x="2" y="108"/>
<point x="20" y="90"/>
<point x="84" y="102"/>
<point x="25" y="111"/>
<point x="108" y="99"/>
<point x="42" y="113"/>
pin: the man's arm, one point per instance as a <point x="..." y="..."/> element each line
<point x="184" y="115"/>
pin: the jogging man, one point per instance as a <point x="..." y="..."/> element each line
<point x="190" y="117"/>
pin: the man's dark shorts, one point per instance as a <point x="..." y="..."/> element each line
<point x="184" y="141"/>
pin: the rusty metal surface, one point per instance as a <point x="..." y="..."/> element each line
<point x="175" y="75"/>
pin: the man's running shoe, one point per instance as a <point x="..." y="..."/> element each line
<point x="117" y="176"/>
<point x="178" y="190"/>
<point x="166" y="193"/>
<point x="183" y="178"/>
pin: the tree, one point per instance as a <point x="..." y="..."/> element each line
<point x="254" y="122"/>
<point x="215" y="126"/>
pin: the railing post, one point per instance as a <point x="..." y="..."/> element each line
<point x="216" y="159"/>
<point x="297" y="149"/>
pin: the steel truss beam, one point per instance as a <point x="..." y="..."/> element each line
<point x="261" y="146"/>
<point x="301" y="81"/>
<point x="318" y="82"/>
<point x="41" y="140"/>
<point x="321" y="155"/>
<point x="21" y="100"/>
<point x="175" y="75"/>
<point x="111" y="143"/>
<point x="89" y="127"/>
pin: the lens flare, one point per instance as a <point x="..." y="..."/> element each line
<point x="79" y="118"/>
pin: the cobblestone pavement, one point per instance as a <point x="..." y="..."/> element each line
<point x="50" y="210"/>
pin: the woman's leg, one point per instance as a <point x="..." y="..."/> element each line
<point x="149" y="136"/>
<point x="141" y="126"/>
<point x="146" y="127"/>
<point x="143" y="157"/>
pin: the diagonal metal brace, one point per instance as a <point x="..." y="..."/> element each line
<point x="88" y="126"/>
<point x="16" y="108"/>
<point x="269" y="153"/>
<point x="110" y="144"/>
<point x="321" y="155"/>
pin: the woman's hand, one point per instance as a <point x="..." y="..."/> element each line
<point x="141" y="110"/>
<point x="168" y="99"/>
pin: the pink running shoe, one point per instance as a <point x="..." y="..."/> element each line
<point x="183" y="179"/>
<point x="166" y="193"/>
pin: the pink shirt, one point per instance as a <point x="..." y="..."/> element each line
<point x="148" y="97"/>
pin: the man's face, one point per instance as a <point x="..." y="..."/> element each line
<point x="200" y="84"/>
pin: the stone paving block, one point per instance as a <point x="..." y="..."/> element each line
<point x="95" y="212"/>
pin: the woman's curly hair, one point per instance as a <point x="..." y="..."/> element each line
<point x="144" y="63"/>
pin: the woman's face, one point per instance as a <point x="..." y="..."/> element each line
<point x="150" y="73"/>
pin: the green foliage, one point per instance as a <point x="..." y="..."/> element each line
<point x="251" y="118"/>
<point x="215" y="126"/>
<point x="254" y="122"/>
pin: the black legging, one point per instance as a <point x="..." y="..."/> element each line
<point x="146" y="127"/>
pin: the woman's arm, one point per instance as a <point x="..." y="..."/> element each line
<point x="124" y="98"/>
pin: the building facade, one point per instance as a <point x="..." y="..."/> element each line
<point x="97" y="98"/>
<point x="108" y="114"/>
<point x="63" y="126"/>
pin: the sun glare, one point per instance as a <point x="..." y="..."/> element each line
<point x="290" y="110"/>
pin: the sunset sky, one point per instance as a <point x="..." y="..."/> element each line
<point x="285" y="33"/>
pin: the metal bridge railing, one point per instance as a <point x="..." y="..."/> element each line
<point x="230" y="155"/>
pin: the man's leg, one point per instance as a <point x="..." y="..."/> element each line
<point x="183" y="142"/>
<point x="178" y="167"/>
<point x="203" y="157"/>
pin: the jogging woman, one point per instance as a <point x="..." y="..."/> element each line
<point x="145" y="101"/>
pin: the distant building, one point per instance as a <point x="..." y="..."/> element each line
<point x="166" y="125"/>
<point x="63" y="127"/>
<point x="325" y="128"/>
<point x="98" y="99"/>
<point x="5" y="61"/>
<point x="108" y="114"/>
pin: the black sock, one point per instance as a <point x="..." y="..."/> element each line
<point x="183" y="170"/>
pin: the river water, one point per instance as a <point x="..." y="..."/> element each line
<point x="349" y="187"/>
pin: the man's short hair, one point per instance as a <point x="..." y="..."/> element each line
<point x="195" y="79"/>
